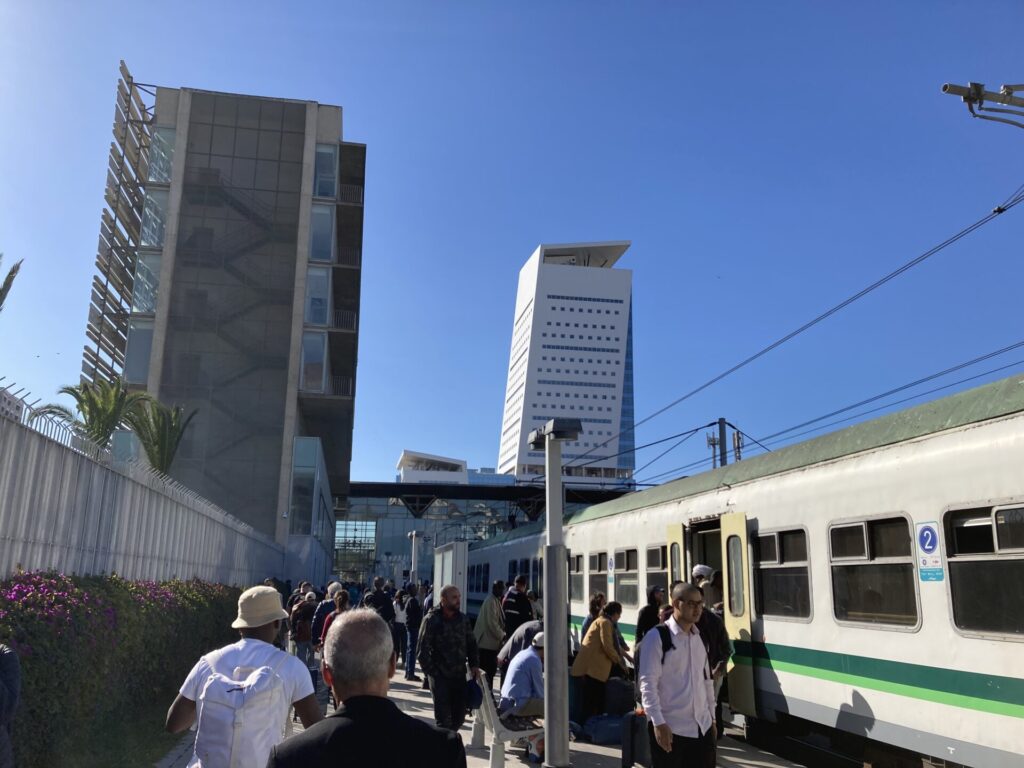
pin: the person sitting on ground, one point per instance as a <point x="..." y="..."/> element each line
<point x="368" y="729"/>
<point x="516" y="605"/>
<point x="254" y="663"/>
<point x="519" y="640"/>
<point x="535" y="604"/>
<point x="522" y="693"/>
<point x="599" y="658"/>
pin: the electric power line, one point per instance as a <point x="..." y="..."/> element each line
<point x="1012" y="202"/>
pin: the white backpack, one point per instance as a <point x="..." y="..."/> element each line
<point x="240" y="717"/>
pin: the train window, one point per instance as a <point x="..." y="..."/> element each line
<point x="524" y="570"/>
<point x="734" y="552"/>
<point x="675" y="562"/>
<point x="627" y="577"/>
<point x="513" y="570"/>
<point x="782" y="583"/>
<point x="876" y="586"/>
<point x="576" y="577"/>
<point x="985" y="555"/>
<point x="598" y="581"/>
<point x="471" y="579"/>
<point x="657" y="567"/>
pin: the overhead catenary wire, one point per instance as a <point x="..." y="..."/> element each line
<point x="1011" y="202"/>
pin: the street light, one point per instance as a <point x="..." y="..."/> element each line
<point x="556" y="628"/>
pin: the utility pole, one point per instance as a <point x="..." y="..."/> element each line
<point x="723" y="451"/>
<point x="713" y="445"/>
<point x="974" y="96"/>
<point x="737" y="445"/>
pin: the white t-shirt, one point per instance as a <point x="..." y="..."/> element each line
<point x="252" y="654"/>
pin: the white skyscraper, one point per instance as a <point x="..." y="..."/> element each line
<point x="572" y="356"/>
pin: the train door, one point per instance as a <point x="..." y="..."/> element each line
<point x="676" y="538"/>
<point x="737" y="610"/>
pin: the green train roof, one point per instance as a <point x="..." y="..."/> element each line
<point x="991" y="401"/>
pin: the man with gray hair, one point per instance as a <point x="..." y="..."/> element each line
<point x="367" y="730"/>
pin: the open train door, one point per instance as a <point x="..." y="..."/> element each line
<point x="451" y="563"/>
<point x="736" y="573"/>
<point x="675" y="556"/>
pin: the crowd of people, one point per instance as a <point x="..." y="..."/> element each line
<point x="241" y="694"/>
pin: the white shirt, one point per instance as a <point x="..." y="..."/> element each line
<point x="679" y="692"/>
<point x="252" y="654"/>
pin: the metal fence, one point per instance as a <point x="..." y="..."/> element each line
<point x="68" y="505"/>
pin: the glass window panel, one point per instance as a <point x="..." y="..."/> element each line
<point x="848" y="541"/>
<point x="982" y="598"/>
<point x="657" y="579"/>
<point x="246" y="140"/>
<point x="154" y="218"/>
<point x="656" y="557"/>
<point x="202" y="107"/>
<point x="290" y="178"/>
<point x="1010" y="528"/>
<point x="266" y="175"/>
<point x="140" y="347"/>
<point x="225" y="110"/>
<point x="620" y="561"/>
<point x="147" y="279"/>
<point x="270" y="115"/>
<point x="292" y="147"/>
<point x="676" y="562"/>
<point x="294" y="117"/>
<point x="876" y="593"/>
<point x="632" y="560"/>
<point x="321" y="239"/>
<point x="597" y="582"/>
<point x="576" y="587"/>
<point x="223" y="140"/>
<point x="303" y="482"/>
<point x="243" y="173"/>
<point x="627" y="588"/>
<point x="766" y="549"/>
<point x="270" y="145"/>
<point x="783" y="592"/>
<point x="313" y="361"/>
<point x="161" y="155"/>
<point x="199" y="138"/>
<point x="248" y="113"/>
<point x="889" y="538"/>
<point x="969" y="532"/>
<point x="318" y="295"/>
<point x="794" y="546"/>
<point x="734" y="552"/>
<point x="325" y="178"/>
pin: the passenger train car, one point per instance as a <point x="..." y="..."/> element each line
<point x="874" y="578"/>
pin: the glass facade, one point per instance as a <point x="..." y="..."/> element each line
<point x="314" y="361"/>
<point x="147" y="280"/>
<point x="140" y="348"/>
<point x="321" y="233"/>
<point x="161" y="155"/>
<point x="325" y="178"/>
<point x="318" y="295"/>
<point x="231" y="296"/>
<point x="154" y="218"/>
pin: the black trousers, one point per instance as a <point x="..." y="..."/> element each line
<point x="449" y="702"/>
<point x="489" y="664"/>
<point x="686" y="752"/>
<point x="593" y="696"/>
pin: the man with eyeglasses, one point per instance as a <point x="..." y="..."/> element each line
<point x="676" y="687"/>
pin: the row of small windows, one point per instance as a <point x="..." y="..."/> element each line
<point x="589" y="311"/>
<point x="581" y="360"/>
<point x="557" y="297"/>
<point x="554" y="407"/>
<point x="580" y="349"/>
<point x="597" y="384"/>
<point x="573" y="336"/>
<point x="576" y="395"/>
<point x="586" y="325"/>
<point x="584" y="420"/>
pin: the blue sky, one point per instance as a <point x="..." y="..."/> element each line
<point x="765" y="159"/>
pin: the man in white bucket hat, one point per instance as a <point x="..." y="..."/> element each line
<point x="241" y="693"/>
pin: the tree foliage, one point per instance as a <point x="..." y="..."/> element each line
<point x="159" y="430"/>
<point x="5" y="287"/>
<point x="102" y="407"/>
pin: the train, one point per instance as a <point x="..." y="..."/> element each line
<point x="873" y="579"/>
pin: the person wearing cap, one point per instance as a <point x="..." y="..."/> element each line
<point x="259" y="617"/>
<point x="522" y="692"/>
<point x="367" y="729"/>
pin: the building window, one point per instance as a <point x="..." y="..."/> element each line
<point x="161" y="155"/>
<point x="657" y="568"/>
<point x="321" y="233"/>
<point x="873" y="572"/>
<point x="576" y="578"/>
<point x="325" y="174"/>
<point x="314" y="361"/>
<point x="147" y="279"/>
<point x="140" y="347"/>
<point x="318" y="295"/>
<point x="627" y="578"/>
<point x="781" y="574"/>
<point x="598" y="579"/>
<point x="154" y="218"/>
<point x="985" y="552"/>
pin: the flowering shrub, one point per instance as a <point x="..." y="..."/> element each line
<point x="95" y="646"/>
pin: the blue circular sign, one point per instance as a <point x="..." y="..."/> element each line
<point x="928" y="538"/>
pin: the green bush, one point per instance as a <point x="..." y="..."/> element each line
<point x="94" y="648"/>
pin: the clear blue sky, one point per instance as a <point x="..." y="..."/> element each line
<point x="765" y="159"/>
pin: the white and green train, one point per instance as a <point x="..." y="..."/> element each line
<point x="874" y="577"/>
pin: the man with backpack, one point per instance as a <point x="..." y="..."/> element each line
<point x="241" y="693"/>
<point x="676" y="686"/>
<point x="302" y="628"/>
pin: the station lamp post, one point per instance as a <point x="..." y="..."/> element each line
<point x="556" y="594"/>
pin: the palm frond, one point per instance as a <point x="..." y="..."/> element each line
<point x="5" y="287"/>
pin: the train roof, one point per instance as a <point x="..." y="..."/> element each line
<point x="991" y="401"/>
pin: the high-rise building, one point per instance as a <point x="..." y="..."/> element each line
<point x="572" y="356"/>
<point x="228" y="283"/>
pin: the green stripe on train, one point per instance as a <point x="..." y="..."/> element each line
<point x="968" y="690"/>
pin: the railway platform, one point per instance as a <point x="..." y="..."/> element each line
<point x="733" y="752"/>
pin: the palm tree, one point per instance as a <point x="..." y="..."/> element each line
<point x="8" y="281"/>
<point x="103" y="406"/>
<point x="159" y="430"/>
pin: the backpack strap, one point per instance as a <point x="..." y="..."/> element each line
<point x="666" y="641"/>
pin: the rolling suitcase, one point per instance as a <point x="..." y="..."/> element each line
<point x="636" y="742"/>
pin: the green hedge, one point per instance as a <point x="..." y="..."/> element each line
<point x="93" y="648"/>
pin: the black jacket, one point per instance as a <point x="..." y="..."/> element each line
<point x="715" y="638"/>
<point x="371" y="732"/>
<point x="517" y="608"/>
<point x="413" y="614"/>
<point x="646" y="621"/>
<point x="381" y="603"/>
<point x="446" y="645"/>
